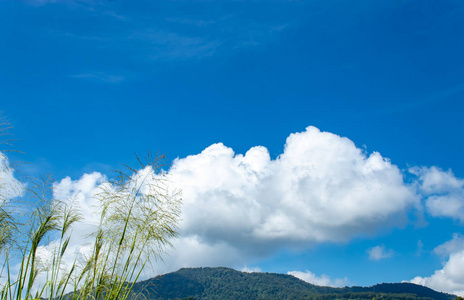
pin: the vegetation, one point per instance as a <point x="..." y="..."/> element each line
<point x="225" y="283"/>
<point x="138" y="218"/>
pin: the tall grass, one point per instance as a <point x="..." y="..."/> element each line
<point x="138" y="219"/>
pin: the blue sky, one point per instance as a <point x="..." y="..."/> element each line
<point x="88" y="83"/>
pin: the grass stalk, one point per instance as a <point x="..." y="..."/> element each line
<point x="138" y="219"/>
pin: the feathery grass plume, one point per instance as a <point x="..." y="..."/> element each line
<point x="139" y="218"/>
<point x="48" y="217"/>
<point x="7" y="227"/>
<point x="8" y="188"/>
<point x="138" y="221"/>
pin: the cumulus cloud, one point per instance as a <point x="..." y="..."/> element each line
<point x="322" y="188"/>
<point x="379" y="252"/>
<point x="322" y="280"/>
<point x="82" y="193"/>
<point x="236" y="207"/>
<point x="450" y="278"/>
<point x="443" y="191"/>
<point x="192" y="251"/>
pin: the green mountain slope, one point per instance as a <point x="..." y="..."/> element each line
<point x="225" y="283"/>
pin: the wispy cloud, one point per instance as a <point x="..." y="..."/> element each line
<point x="379" y="252"/>
<point x="420" y="248"/>
<point x="161" y="44"/>
<point x="80" y="3"/>
<point x="88" y="38"/>
<point x="175" y="35"/>
<point x="191" y="21"/>
<point x="450" y="247"/>
<point x="115" y="15"/>
<point x="44" y="2"/>
<point x="440" y="96"/>
<point x="100" y="77"/>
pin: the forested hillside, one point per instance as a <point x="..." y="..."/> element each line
<point x="225" y="283"/>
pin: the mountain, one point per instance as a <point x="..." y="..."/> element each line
<point x="225" y="283"/>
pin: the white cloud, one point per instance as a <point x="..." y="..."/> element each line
<point x="82" y="193"/>
<point x="192" y="251"/>
<point x="322" y="188"/>
<point x="379" y="252"/>
<point x="10" y="187"/>
<point x="443" y="191"/>
<point x="446" y="206"/>
<point x="322" y="280"/>
<point x="251" y="269"/>
<point x="450" y="278"/>
<point x="420" y="248"/>
<point x="450" y="247"/>
<point x="434" y="180"/>
<point x="239" y="207"/>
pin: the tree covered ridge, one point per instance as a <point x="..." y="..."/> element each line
<point x="226" y="283"/>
